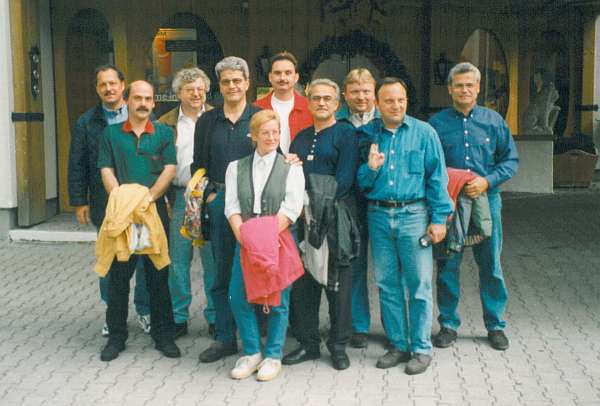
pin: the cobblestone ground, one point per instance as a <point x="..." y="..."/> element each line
<point x="50" y="320"/>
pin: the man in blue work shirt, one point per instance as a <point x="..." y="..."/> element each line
<point x="477" y="139"/>
<point x="405" y="182"/>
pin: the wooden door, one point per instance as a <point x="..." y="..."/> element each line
<point x="28" y="113"/>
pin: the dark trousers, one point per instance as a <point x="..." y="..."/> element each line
<point x="223" y="245"/>
<point x="157" y="283"/>
<point x="306" y="294"/>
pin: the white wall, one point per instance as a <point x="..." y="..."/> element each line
<point x="48" y="100"/>
<point x="8" y="178"/>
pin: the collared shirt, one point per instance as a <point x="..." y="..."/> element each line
<point x="137" y="160"/>
<point x="413" y="168"/>
<point x="115" y="116"/>
<point x="185" y="148"/>
<point x="331" y="151"/>
<point x="292" y="204"/>
<point x="358" y="119"/>
<point x="480" y="142"/>
<point x="218" y="141"/>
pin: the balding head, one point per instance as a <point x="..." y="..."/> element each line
<point x="140" y="100"/>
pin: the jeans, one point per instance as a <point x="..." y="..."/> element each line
<point x="181" y="253"/>
<point x="492" y="289"/>
<point x="223" y="247"/>
<point x="245" y="316"/>
<point x="361" y="317"/>
<point x="140" y="294"/>
<point x="403" y="271"/>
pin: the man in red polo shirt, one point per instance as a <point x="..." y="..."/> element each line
<point x="290" y="105"/>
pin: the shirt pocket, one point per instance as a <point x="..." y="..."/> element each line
<point x="155" y="162"/>
<point x="416" y="162"/>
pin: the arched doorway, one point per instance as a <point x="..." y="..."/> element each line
<point x="336" y="56"/>
<point x="89" y="44"/>
<point x="184" y="40"/>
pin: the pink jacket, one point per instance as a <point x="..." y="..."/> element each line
<point x="270" y="260"/>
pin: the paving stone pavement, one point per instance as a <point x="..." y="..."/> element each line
<point x="51" y="315"/>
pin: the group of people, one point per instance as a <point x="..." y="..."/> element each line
<point x="303" y="194"/>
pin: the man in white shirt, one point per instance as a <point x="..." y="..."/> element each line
<point x="190" y="85"/>
<point x="290" y="105"/>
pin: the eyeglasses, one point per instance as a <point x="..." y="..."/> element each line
<point x="227" y="82"/>
<point x="317" y="98"/>
<point x="192" y="90"/>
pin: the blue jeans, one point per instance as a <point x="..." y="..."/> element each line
<point x="492" y="288"/>
<point x="245" y="316"/>
<point x="223" y="247"/>
<point x="361" y="317"/>
<point x="141" y="298"/>
<point x="403" y="271"/>
<point x="181" y="253"/>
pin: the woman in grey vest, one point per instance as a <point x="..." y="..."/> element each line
<point x="262" y="185"/>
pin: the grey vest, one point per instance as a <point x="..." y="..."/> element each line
<point x="273" y="193"/>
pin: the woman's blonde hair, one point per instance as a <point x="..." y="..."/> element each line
<point x="260" y="118"/>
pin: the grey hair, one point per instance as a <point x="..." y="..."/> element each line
<point x="232" y="63"/>
<point x="188" y="75"/>
<point x="461" y="68"/>
<point x="325" y="82"/>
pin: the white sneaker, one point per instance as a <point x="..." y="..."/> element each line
<point x="268" y="369"/>
<point x="246" y="366"/>
<point x="105" y="332"/>
<point x="144" y="322"/>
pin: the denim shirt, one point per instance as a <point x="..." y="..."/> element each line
<point x="480" y="142"/>
<point x="413" y="168"/>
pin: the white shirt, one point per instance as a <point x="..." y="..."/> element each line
<point x="283" y="108"/>
<point x="185" y="148"/>
<point x="292" y="204"/>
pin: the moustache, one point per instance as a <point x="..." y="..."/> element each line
<point x="142" y="109"/>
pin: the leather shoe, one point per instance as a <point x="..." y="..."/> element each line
<point x="218" y="350"/>
<point x="417" y="364"/>
<point x="181" y="329"/>
<point x="340" y="360"/>
<point x="168" y="349"/>
<point x="299" y="355"/>
<point x="359" y="340"/>
<point x="498" y="340"/>
<point x="444" y="338"/>
<point x="392" y="358"/>
<point x="111" y="350"/>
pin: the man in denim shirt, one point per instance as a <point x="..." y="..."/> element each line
<point x="476" y="139"/>
<point x="405" y="182"/>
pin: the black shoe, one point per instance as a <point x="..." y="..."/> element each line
<point x="211" y="330"/>
<point x="299" y="355"/>
<point x="111" y="350"/>
<point x="445" y="338"/>
<point x="498" y="340"/>
<point x="417" y="364"/>
<point x="340" y="360"/>
<point x="359" y="340"/>
<point x="218" y="350"/>
<point x="392" y="358"/>
<point x="181" y="329"/>
<point x="168" y="349"/>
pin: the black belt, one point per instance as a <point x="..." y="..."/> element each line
<point x="219" y="185"/>
<point x="394" y="204"/>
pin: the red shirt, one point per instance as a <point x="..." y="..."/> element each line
<point x="299" y="119"/>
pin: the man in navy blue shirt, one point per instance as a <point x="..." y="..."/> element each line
<point x="405" y="182"/>
<point x="326" y="148"/>
<point x="477" y="139"/>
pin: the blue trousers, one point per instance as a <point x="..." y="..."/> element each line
<point x="403" y="271"/>
<point x="181" y="253"/>
<point x="245" y="316"/>
<point x="141" y="298"/>
<point x="223" y="247"/>
<point x="492" y="289"/>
